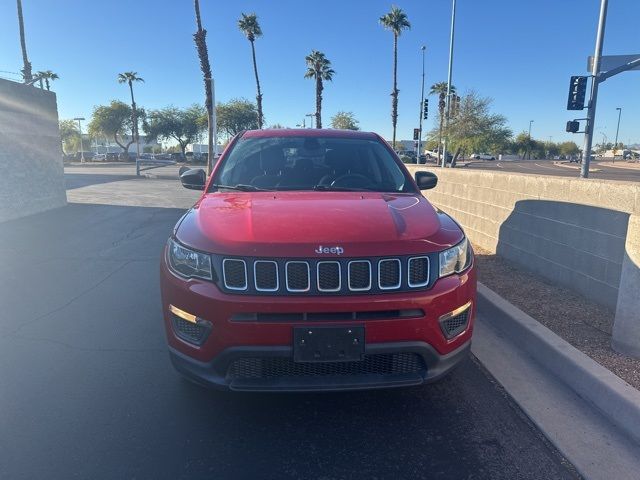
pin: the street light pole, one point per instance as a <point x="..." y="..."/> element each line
<point x="529" y="143"/>
<point x="81" y="143"/>
<point x="423" y="48"/>
<point x="448" y="98"/>
<point x="591" y="110"/>
<point x="310" y="115"/>
<point x="615" y="145"/>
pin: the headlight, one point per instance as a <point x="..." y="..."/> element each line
<point x="456" y="259"/>
<point x="188" y="263"/>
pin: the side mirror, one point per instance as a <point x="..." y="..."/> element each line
<point x="194" y="179"/>
<point x="426" y="180"/>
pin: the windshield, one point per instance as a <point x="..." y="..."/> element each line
<point x="311" y="163"/>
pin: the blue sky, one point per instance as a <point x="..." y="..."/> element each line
<point x="520" y="53"/>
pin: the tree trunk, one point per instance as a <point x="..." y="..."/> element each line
<point x="26" y="70"/>
<point x="319" y="89"/>
<point x="134" y="120"/>
<point x="125" y="148"/>
<point x="394" y="94"/>
<point x="41" y="85"/>
<point x="259" y="94"/>
<point x="46" y="82"/>
<point x="200" y="39"/>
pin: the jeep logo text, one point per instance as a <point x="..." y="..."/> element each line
<point x="333" y="250"/>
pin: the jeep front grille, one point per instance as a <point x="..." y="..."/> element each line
<point x="259" y="276"/>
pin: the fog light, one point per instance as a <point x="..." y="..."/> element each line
<point x="454" y="323"/>
<point x="182" y="314"/>
<point x="188" y="327"/>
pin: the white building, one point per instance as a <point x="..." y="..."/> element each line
<point x="203" y="148"/>
<point x="108" y="145"/>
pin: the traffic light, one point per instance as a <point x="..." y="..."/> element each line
<point x="573" y="126"/>
<point x="425" y="113"/>
<point x="577" y="93"/>
<point x="416" y="134"/>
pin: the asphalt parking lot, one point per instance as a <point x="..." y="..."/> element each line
<point x="87" y="390"/>
<point x="621" y="171"/>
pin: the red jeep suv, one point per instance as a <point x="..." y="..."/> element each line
<point x="312" y="262"/>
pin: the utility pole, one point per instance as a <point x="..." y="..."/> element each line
<point x="529" y="142"/>
<point x="615" y="145"/>
<point x="448" y="98"/>
<point x="423" y="48"/>
<point x="591" y="110"/>
<point x="311" y="115"/>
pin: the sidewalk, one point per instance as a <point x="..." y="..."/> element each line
<point x="629" y="165"/>
<point x="581" y="322"/>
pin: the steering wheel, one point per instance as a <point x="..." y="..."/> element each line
<point x="354" y="180"/>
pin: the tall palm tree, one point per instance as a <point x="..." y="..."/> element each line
<point x="318" y="67"/>
<point x="249" y="25"/>
<point x="26" y="69"/>
<point x="396" y="21"/>
<point x="47" y="76"/>
<point x="129" y="78"/>
<point x="440" y="89"/>
<point x="200" y="39"/>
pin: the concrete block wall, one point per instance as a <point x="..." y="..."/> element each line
<point x="569" y="230"/>
<point x="583" y="234"/>
<point x="31" y="170"/>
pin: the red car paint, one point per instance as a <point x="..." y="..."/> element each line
<point x="293" y="224"/>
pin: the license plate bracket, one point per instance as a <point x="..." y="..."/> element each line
<point x="328" y="344"/>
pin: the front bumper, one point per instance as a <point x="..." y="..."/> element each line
<point x="236" y="334"/>
<point x="216" y="373"/>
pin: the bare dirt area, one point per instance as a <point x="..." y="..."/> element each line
<point x="581" y="322"/>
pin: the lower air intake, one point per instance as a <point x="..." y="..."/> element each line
<point x="454" y="326"/>
<point x="189" y="331"/>
<point x="278" y="367"/>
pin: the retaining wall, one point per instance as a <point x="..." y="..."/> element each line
<point x="31" y="170"/>
<point x="579" y="233"/>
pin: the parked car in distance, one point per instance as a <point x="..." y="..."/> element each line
<point x="99" y="157"/>
<point x="177" y="156"/>
<point x="312" y="262"/>
<point x="482" y="156"/>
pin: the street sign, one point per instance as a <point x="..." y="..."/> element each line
<point x="577" y="92"/>
<point x="609" y="62"/>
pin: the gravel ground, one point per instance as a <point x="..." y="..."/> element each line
<point x="582" y="323"/>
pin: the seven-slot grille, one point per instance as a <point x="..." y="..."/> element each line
<point x="282" y="276"/>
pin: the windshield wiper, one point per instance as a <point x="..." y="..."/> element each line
<point x="241" y="187"/>
<point x="331" y="188"/>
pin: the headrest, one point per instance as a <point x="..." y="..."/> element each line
<point x="272" y="159"/>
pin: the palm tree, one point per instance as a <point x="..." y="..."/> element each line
<point x="26" y="69"/>
<point x="396" y="21"/>
<point x="47" y="76"/>
<point x="440" y="89"/>
<point x="319" y="67"/>
<point x="129" y="78"/>
<point x="249" y="25"/>
<point x="200" y="39"/>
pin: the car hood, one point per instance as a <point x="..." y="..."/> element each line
<point x="296" y="224"/>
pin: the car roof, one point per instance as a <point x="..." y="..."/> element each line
<point x="308" y="132"/>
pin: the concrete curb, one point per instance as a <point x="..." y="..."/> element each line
<point x="618" y="401"/>
<point x="621" y="164"/>
<point x="572" y="167"/>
